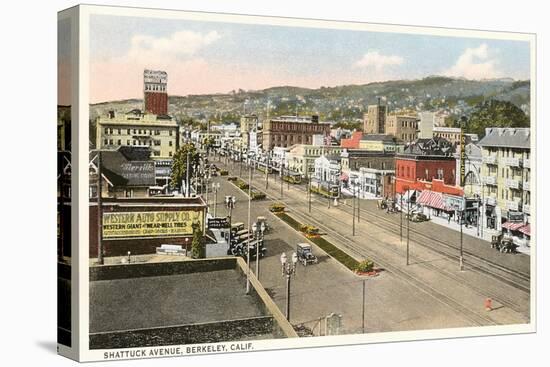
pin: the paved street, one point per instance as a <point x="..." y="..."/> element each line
<point x="318" y="290"/>
<point x="397" y="299"/>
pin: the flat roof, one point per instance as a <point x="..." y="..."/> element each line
<point x="147" y="302"/>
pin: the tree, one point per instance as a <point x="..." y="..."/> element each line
<point x="494" y="113"/>
<point x="198" y="249"/>
<point x="179" y="164"/>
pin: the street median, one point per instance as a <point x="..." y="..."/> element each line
<point x="333" y="251"/>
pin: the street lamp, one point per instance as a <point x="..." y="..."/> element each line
<point x="258" y="228"/>
<point x="215" y="188"/>
<point x="230" y="205"/>
<point x="288" y="269"/>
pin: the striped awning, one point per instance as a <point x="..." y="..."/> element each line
<point x="432" y="199"/>
<point x="512" y="226"/>
<point x="526" y="229"/>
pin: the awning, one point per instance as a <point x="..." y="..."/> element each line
<point x="526" y="229"/>
<point x="344" y="177"/>
<point x="512" y="226"/>
<point x="432" y="199"/>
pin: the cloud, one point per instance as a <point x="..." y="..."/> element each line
<point x="178" y="45"/>
<point x="178" y="54"/>
<point x="378" y="61"/>
<point x="475" y="63"/>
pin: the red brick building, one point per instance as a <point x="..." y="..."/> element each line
<point x="427" y="164"/>
<point x="155" y="93"/>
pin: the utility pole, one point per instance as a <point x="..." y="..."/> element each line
<point x="359" y="204"/>
<point x="353" y="221"/>
<point x="461" y="258"/>
<point x="408" y="224"/>
<point x="281" y="168"/>
<point x="363" y="304"/>
<point x="99" y="212"/>
<point x="249" y="228"/>
<point x="266" y="170"/>
<point x="309" y="191"/>
<point x="187" y="185"/>
<point x="401" y="220"/>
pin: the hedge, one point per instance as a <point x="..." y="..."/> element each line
<point x="346" y="260"/>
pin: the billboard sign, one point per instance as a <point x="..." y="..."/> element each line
<point x="150" y="224"/>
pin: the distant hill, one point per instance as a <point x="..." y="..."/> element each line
<point x="341" y="103"/>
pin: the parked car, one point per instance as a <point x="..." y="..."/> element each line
<point x="417" y="217"/>
<point x="503" y="243"/>
<point x="305" y="255"/>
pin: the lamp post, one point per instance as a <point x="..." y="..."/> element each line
<point x="229" y="204"/>
<point x="258" y="228"/>
<point x="215" y="188"/>
<point x="281" y="169"/>
<point x="309" y="191"/>
<point x="267" y="170"/>
<point x="288" y="268"/>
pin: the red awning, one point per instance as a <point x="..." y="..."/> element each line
<point x="432" y="199"/>
<point x="526" y="229"/>
<point x="512" y="226"/>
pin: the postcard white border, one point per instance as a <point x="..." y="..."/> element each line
<point x="85" y="11"/>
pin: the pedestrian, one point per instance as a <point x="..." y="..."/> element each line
<point x="449" y="218"/>
<point x="488" y="304"/>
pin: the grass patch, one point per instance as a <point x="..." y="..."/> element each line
<point x="346" y="260"/>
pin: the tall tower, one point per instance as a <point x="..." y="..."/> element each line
<point x="374" y="121"/>
<point x="155" y="95"/>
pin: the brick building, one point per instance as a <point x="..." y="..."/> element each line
<point x="427" y="164"/>
<point x="285" y="131"/>
<point x="155" y="93"/>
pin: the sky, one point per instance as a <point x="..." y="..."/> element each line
<point x="203" y="57"/>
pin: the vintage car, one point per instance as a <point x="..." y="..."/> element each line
<point x="417" y="217"/>
<point x="305" y="255"/>
<point x="277" y="208"/>
<point x="503" y="243"/>
<point x="263" y="220"/>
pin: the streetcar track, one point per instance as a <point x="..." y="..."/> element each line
<point x="349" y="244"/>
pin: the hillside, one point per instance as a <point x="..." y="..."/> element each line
<point x="342" y="103"/>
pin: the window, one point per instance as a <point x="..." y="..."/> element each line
<point x="440" y="173"/>
<point x="105" y="142"/>
<point x="169" y="154"/>
<point x="106" y="130"/>
<point x="128" y="142"/>
<point x="171" y="132"/>
<point x="119" y="142"/>
<point x="170" y="142"/>
<point x="128" y="132"/>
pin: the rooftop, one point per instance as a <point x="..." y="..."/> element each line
<point x="508" y="137"/>
<point x="381" y="137"/>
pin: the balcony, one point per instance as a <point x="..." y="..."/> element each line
<point x="526" y="185"/>
<point x="490" y="159"/>
<point x="512" y="162"/>
<point x="527" y="163"/>
<point x="513" y="184"/>
<point x="512" y="205"/>
<point x="527" y="208"/>
<point x="489" y="180"/>
<point x="491" y="201"/>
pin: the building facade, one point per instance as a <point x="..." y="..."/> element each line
<point x="286" y="131"/>
<point x="374" y="121"/>
<point x="381" y="143"/>
<point x="452" y="134"/>
<point x="155" y="92"/>
<point x="402" y="127"/>
<point x="506" y="175"/>
<point x="424" y="163"/>
<point x="301" y="157"/>
<point x="135" y="128"/>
